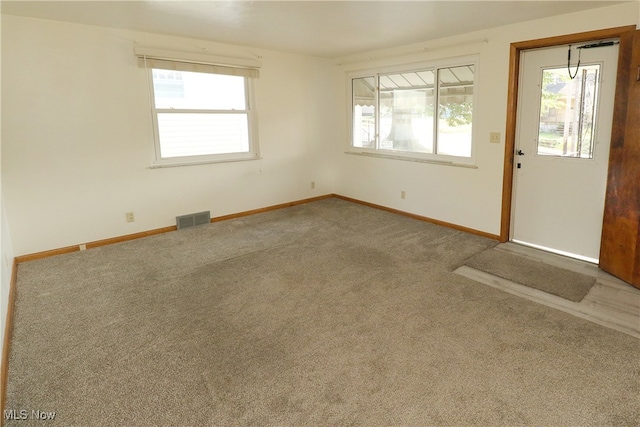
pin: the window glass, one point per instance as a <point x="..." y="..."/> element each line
<point x="364" y="107"/>
<point x="455" y="102"/>
<point x="199" y="91"/>
<point x="406" y="112"/>
<point x="167" y="84"/>
<point x="202" y="134"/>
<point x="568" y="112"/>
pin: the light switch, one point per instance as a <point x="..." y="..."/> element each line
<point x="494" y="137"/>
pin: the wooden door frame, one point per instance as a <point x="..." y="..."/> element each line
<point x="625" y="35"/>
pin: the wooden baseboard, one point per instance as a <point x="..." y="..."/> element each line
<point x="271" y="208"/>
<point x="8" y="330"/>
<point x="92" y="245"/>
<point x="127" y="237"/>
<point x="422" y="218"/>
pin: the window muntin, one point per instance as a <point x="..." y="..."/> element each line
<point x="568" y="109"/>
<point x="423" y="113"/>
<point x="201" y="117"/>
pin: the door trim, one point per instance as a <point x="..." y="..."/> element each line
<point x="625" y="35"/>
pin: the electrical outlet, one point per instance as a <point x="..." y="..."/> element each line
<point x="403" y="194"/>
<point x="82" y="247"/>
<point x="313" y="185"/>
<point x="130" y="217"/>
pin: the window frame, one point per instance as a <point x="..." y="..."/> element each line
<point x="252" y="131"/>
<point x="432" y="65"/>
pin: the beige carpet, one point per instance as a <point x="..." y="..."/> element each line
<point x="534" y="274"/>
<point x="328" y="313"/>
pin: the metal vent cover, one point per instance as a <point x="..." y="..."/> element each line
<point x="191" y="220"/>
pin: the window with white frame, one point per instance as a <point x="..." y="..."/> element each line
<point x="201" y="112"/>
<point x="423" y="112"/>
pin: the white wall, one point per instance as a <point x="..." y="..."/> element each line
<point x="467" y="197"/>
<point x="77" y="141"/>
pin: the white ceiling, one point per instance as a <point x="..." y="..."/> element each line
<point x="321" y="28"/>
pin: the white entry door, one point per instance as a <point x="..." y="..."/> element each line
<point x="562" y="148"/>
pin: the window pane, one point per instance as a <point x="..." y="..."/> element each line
<point x="406" y="112"/>
<point x="202" y="134"/>
<point x="364" y="122"/>
<point x="198" y="91"/>
<point x="567" y="112"/>
<point x="455" y="110"/>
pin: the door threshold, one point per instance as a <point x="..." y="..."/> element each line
<point x="595" y="261"/>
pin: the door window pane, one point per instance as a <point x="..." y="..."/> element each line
<point x="568" y="112"/>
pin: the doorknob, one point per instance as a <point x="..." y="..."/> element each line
<point x="520" y="153"/>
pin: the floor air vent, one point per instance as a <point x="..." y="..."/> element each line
<point x="191" y="220"/>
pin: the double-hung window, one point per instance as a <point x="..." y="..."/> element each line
<point x="418" y="112"/>
<point x="201" y="112"/>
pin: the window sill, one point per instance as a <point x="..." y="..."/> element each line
<point x="200" y="162"/>
<point x="414" y="159"/>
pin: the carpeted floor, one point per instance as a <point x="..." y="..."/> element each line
<point x="329" y="313"/>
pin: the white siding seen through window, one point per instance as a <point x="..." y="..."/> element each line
<point x="201" y="117"/>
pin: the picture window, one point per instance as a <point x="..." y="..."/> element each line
<point x="422" y="113"/>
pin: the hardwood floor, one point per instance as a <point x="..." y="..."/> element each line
<point x="610" y="302"/>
